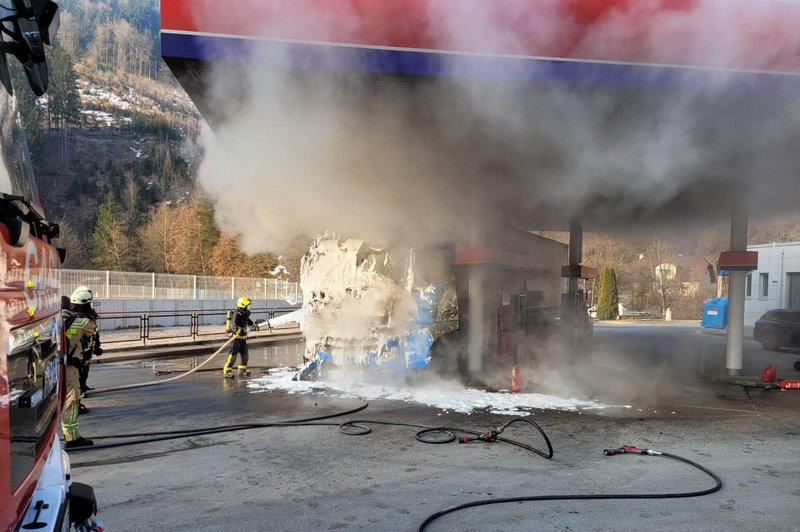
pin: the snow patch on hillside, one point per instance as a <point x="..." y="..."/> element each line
<point x="111" y="104"/>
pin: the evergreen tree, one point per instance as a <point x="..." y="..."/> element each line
<point x="30" y="113"/>
<point x="64" y="101"/>
<point x="112" y="248"/>
<point x="608" y="299"/>
<point x="261" y="264"/>
<point x="209" y="234"/>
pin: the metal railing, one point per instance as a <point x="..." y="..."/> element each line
<point x="138" y="285"/>
<point x="142" y="327"/>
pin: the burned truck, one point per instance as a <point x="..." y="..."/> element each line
<point x="462" y="310"/>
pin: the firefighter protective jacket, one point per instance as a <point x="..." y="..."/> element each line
<point x="238" y="322"/>
<point x="81" y="334"/>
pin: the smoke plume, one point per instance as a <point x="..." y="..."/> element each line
<point x="419" y="161"/>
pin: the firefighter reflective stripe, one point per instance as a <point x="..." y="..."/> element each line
<point x="79" y="327"/>
<point x="238" y="348"/>
<point x="229" y="363"/>
<point x="69" y="416"/>
<point x="81" y="324"/>
<point x="236" y="324"/>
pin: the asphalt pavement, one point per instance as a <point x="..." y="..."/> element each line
<point x="315" y="478"/>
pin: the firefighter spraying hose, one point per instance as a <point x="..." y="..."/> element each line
<point x="165" y="381"/>
<point x="237" y="325"/>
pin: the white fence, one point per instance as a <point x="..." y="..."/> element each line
<point x="136" y="285"/>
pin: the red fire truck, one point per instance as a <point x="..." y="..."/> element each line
<point x="35" y="488"/>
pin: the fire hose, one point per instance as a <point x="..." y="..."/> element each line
<point x="255" y="327"/>
<point x="360" y="427"/>
<point x="164" y="381"/>
<point x="593" y="496"/>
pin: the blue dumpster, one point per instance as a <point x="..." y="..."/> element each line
<point x="715" y="313"/>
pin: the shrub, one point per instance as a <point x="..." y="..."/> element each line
<point x="608" y="299"/>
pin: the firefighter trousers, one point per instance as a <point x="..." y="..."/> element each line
<point x="83" y="372"/>
<point x="238" y="347"/>
<point x="72" y="402"/>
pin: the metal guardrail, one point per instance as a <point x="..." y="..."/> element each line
<point x="187" y="324"/>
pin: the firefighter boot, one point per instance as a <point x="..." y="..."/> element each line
<point x="80" y="442"/>
<point x="226" y="369"/>
<point x="243" y="371"/>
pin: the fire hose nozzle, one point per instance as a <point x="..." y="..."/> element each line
<point x="490" y="436"/>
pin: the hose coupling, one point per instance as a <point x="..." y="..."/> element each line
<point x="489" y="437"/>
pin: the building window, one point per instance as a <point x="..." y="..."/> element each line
<point x="763" y="286"/>
<point x="748" y="291"/>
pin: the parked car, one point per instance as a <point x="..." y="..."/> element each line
<point x="778" y="328"/>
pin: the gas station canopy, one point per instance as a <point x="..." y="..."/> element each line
<point x="653" y="43"/>
<point x="628" y="62"/>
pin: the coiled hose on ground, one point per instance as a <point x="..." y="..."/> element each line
<point x="360" y="427"/>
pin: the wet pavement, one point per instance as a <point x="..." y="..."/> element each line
<point x="314" y="478"/>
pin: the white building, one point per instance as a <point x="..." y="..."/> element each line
<point x="776" y="282"/>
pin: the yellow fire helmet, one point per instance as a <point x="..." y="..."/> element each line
<point x="243" y="302"/>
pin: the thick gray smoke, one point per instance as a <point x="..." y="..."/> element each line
<point x="389" y="160"/>
<point x="394" y="160"/>
<point x="406" y="162"/>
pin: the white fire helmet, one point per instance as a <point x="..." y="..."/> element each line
<point x="81" y="296"/>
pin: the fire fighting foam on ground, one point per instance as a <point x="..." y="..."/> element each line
<point x="448" y="396"/>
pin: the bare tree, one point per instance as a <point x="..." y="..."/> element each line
<point x="664" y="271"/>
<point x="111" y="247"/>
<point x="226" y="257"/>
<point x="123" y="33"/>
<point x="76" y="247"/>
<point x="193" y="235"/>
<point x="155" y="239"/>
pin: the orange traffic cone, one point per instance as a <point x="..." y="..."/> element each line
<point x="516" y="379"/>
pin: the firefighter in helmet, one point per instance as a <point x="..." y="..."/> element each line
<point x="81" y="333"/>
<point x="237" y="325"/>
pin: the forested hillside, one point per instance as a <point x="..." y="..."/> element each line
<point x="114" y="145"/>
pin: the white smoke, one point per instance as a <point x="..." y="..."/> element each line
<point x="313" y="152"/>
<point x="406" y="161"/>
